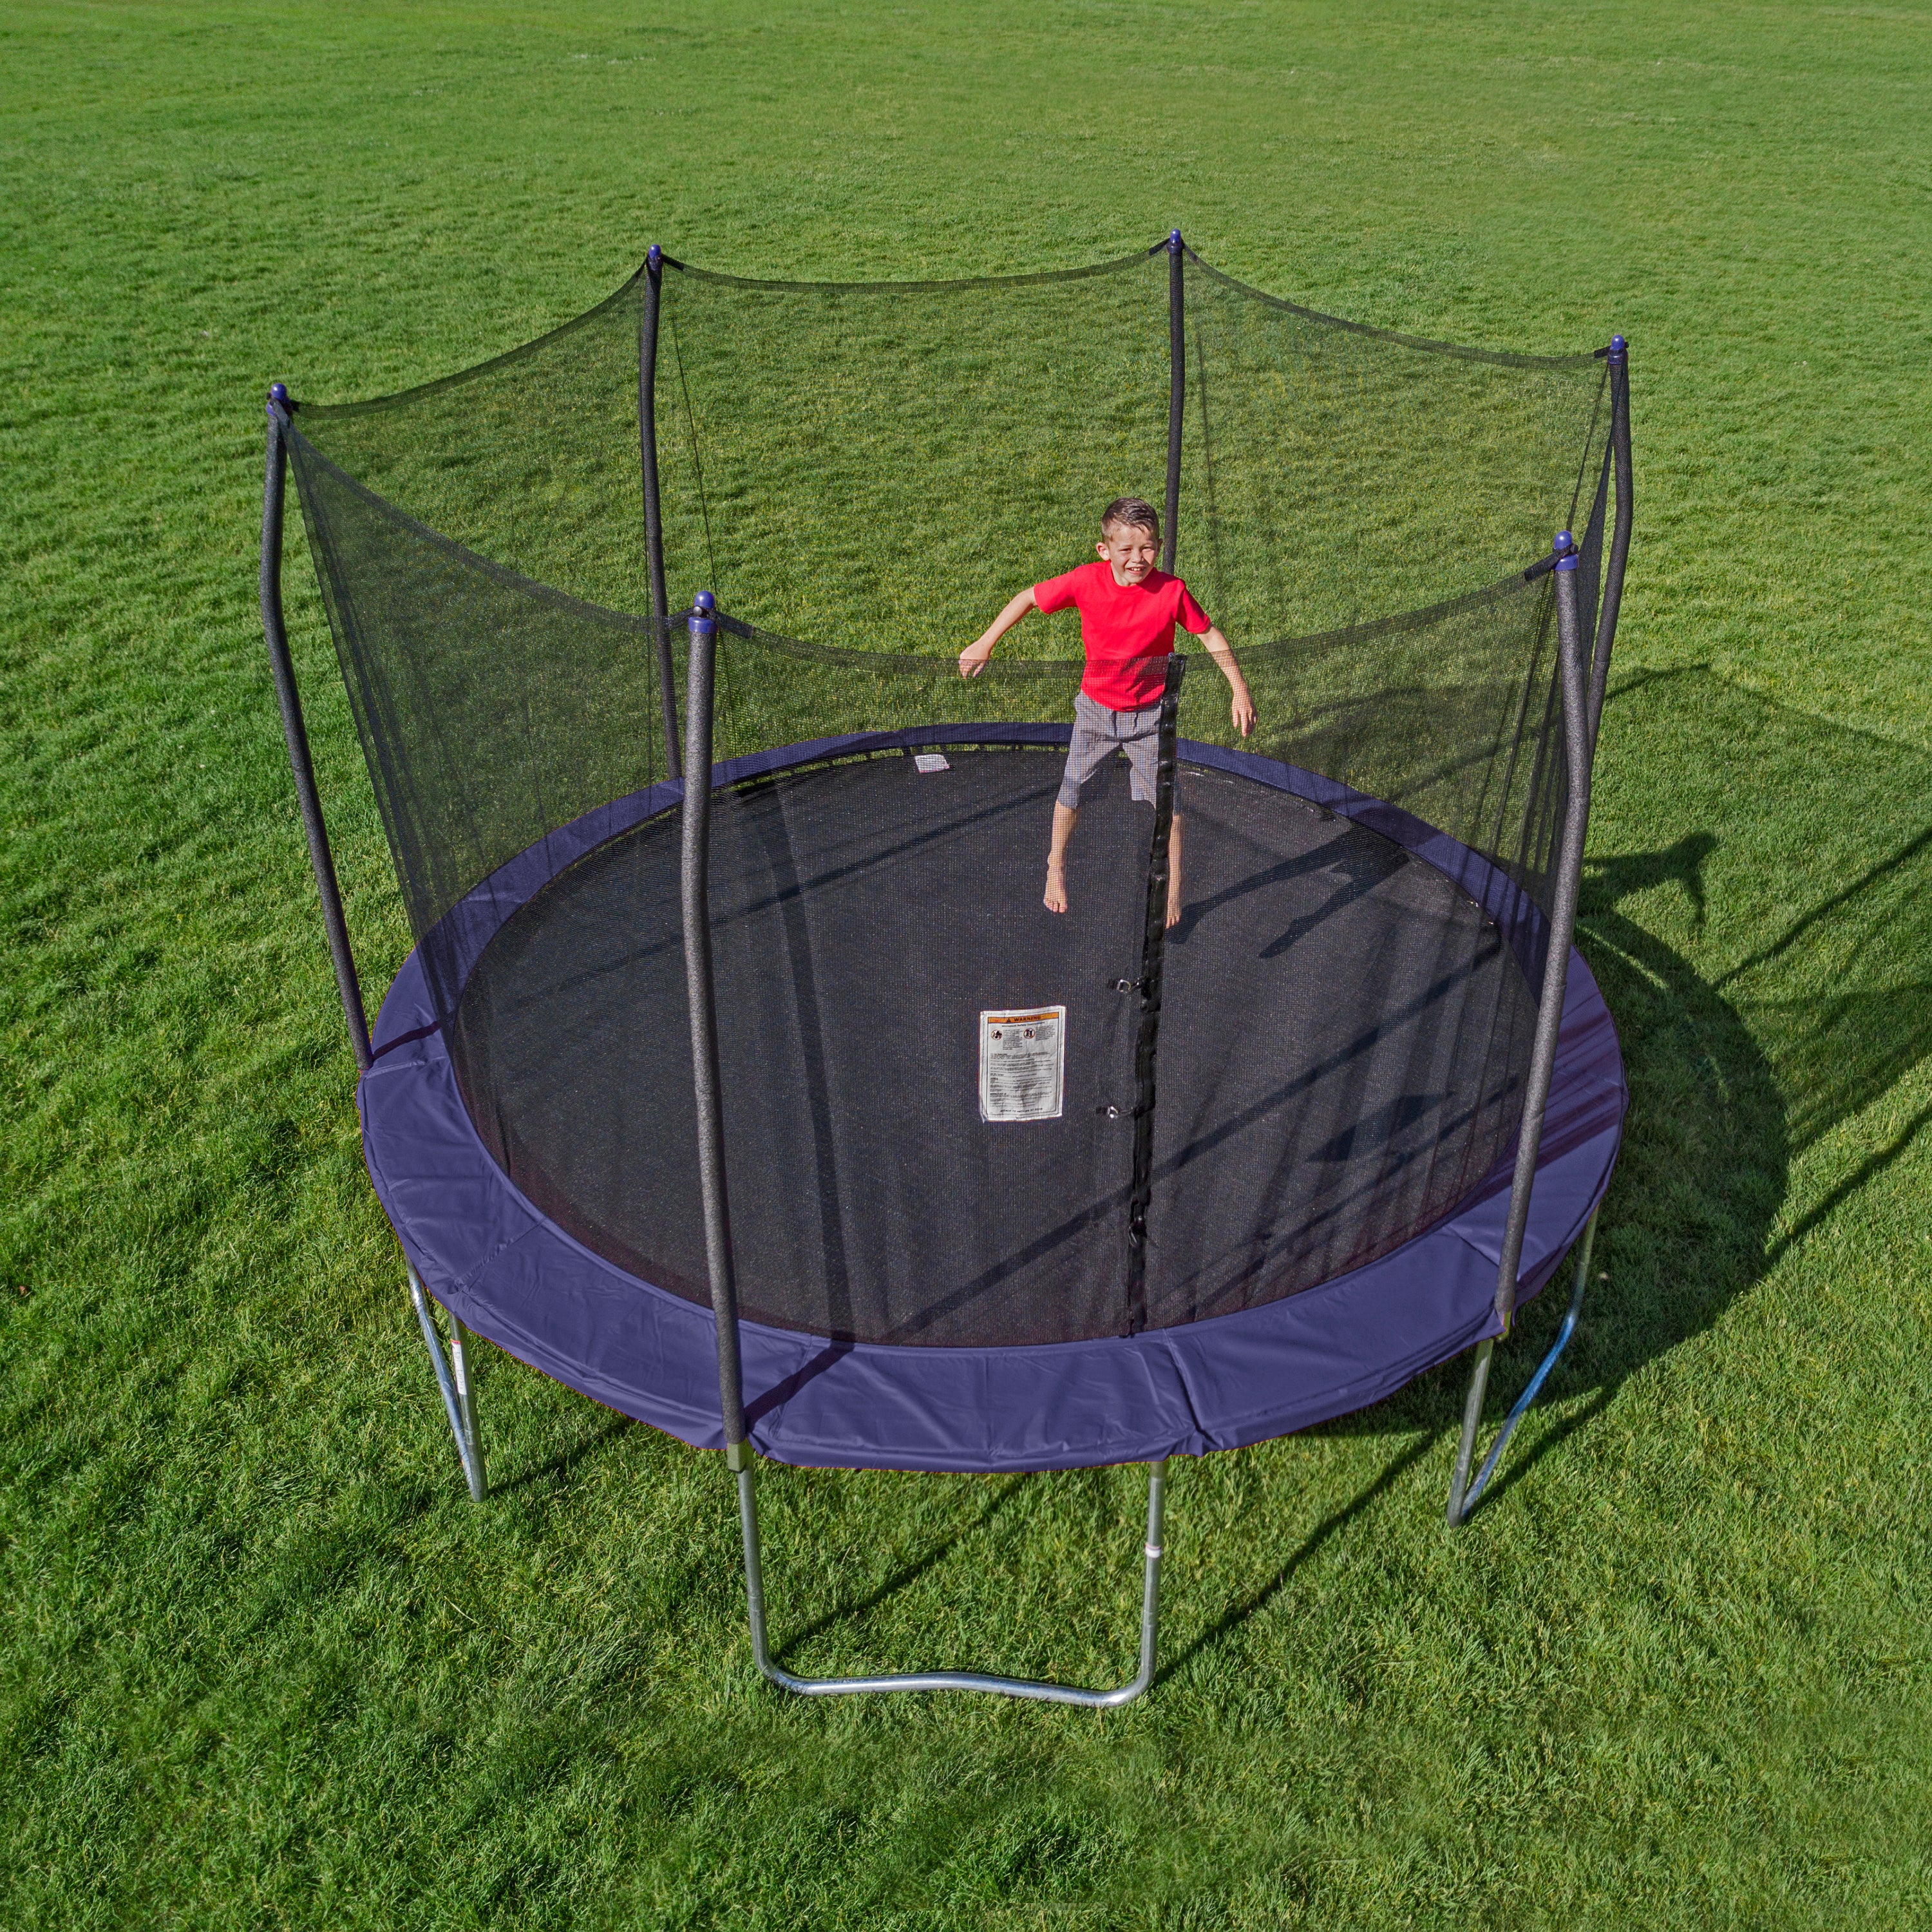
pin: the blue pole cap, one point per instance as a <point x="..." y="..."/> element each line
<point x="655" y="256"/>
<point x="1565" y="547"/>
<point x="1174" y="241"/>
<point x="704" y="620"/>
<point x="278" y="392"/>
<point x="1619" y="349"/>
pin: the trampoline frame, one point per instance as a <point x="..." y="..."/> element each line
<point x="1583" y="676"/>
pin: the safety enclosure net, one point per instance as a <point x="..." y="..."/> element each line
<point x="1319" y="1059"/>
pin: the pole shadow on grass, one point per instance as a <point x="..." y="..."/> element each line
<point x="557" y="1468"/>
<point x="1331" y="1526"/>
<point x="907" y="1574"/>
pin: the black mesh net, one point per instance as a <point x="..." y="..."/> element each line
<point x="864" y="474"/>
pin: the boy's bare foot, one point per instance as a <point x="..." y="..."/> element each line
<point x="1056" y="888"/>
<point x="1173" y="912"/>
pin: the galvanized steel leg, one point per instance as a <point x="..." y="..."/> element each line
<point x="459" y="1395"/>
<point x="1464" y="1495"/>
<point x="958" y="1680"/>
<point x="1465" y="1451"/>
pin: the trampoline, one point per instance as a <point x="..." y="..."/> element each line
<point x="778" y="1113"/>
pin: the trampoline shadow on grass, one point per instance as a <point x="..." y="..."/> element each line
<point x="1732" y="1079"/>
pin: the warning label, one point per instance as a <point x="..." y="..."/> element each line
<point x="1022" y="1064"/>
<point x="931" y="761"/>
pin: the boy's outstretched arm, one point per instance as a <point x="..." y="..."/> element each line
<point x="1222" y="653"/>
<point x="973" y="659"/>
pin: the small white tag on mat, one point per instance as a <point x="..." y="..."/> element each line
<point x="930" y="761"/>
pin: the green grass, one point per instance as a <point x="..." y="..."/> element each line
<point x="263" y="1665"/>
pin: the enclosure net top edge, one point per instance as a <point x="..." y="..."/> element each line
<point x="1577" y="361"/>
<point x="1040" y="278"/>
<point x="949" y="285"/>
<point x="418" y="391"/>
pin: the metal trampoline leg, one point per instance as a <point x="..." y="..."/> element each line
<point x="459" y="1394"/>
<point x="955" y="1680"/>
<point x="1464" y="1495"/>
<point x="1472" y="1415"/>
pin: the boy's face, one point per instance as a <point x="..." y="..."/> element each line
<point x="1131" y="549"/>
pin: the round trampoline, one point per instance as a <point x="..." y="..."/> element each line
<point x="780" y="1113"/>
<point x="1331" y="1184"/>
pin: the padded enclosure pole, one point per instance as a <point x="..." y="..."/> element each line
<point x="701" y="993"/>
<point x="1153" y="957"/>
<point x="1620" y="534"/>
<point x="1573" y="677"/>
<point x="295" y="732"/>
<point x="1177" y="392"/>
<point x="647" y="445"/>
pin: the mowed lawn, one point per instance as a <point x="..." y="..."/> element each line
<point x="263" y="1664"/>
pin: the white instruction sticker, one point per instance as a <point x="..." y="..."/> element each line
<point x="930" y="761"/>
<point x="1022" y="1064"/>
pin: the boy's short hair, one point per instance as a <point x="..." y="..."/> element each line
<point x="1136" y="512"/>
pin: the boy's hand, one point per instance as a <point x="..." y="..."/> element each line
<point x="972" y="659"/>
<point x="1243" y="706"/>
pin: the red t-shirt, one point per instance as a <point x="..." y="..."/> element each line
<point x="1127" y="628"/>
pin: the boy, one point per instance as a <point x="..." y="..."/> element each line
<point x="1128" y="609"/>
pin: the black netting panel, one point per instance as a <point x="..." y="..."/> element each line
<point x="864" y="474"/>
<point x="491" y="713"/>
<point x="1336" y="475"/>
<point x="531" y="460"/>
<point x="1451" y="714"/>
<point x="885" y="466"/>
